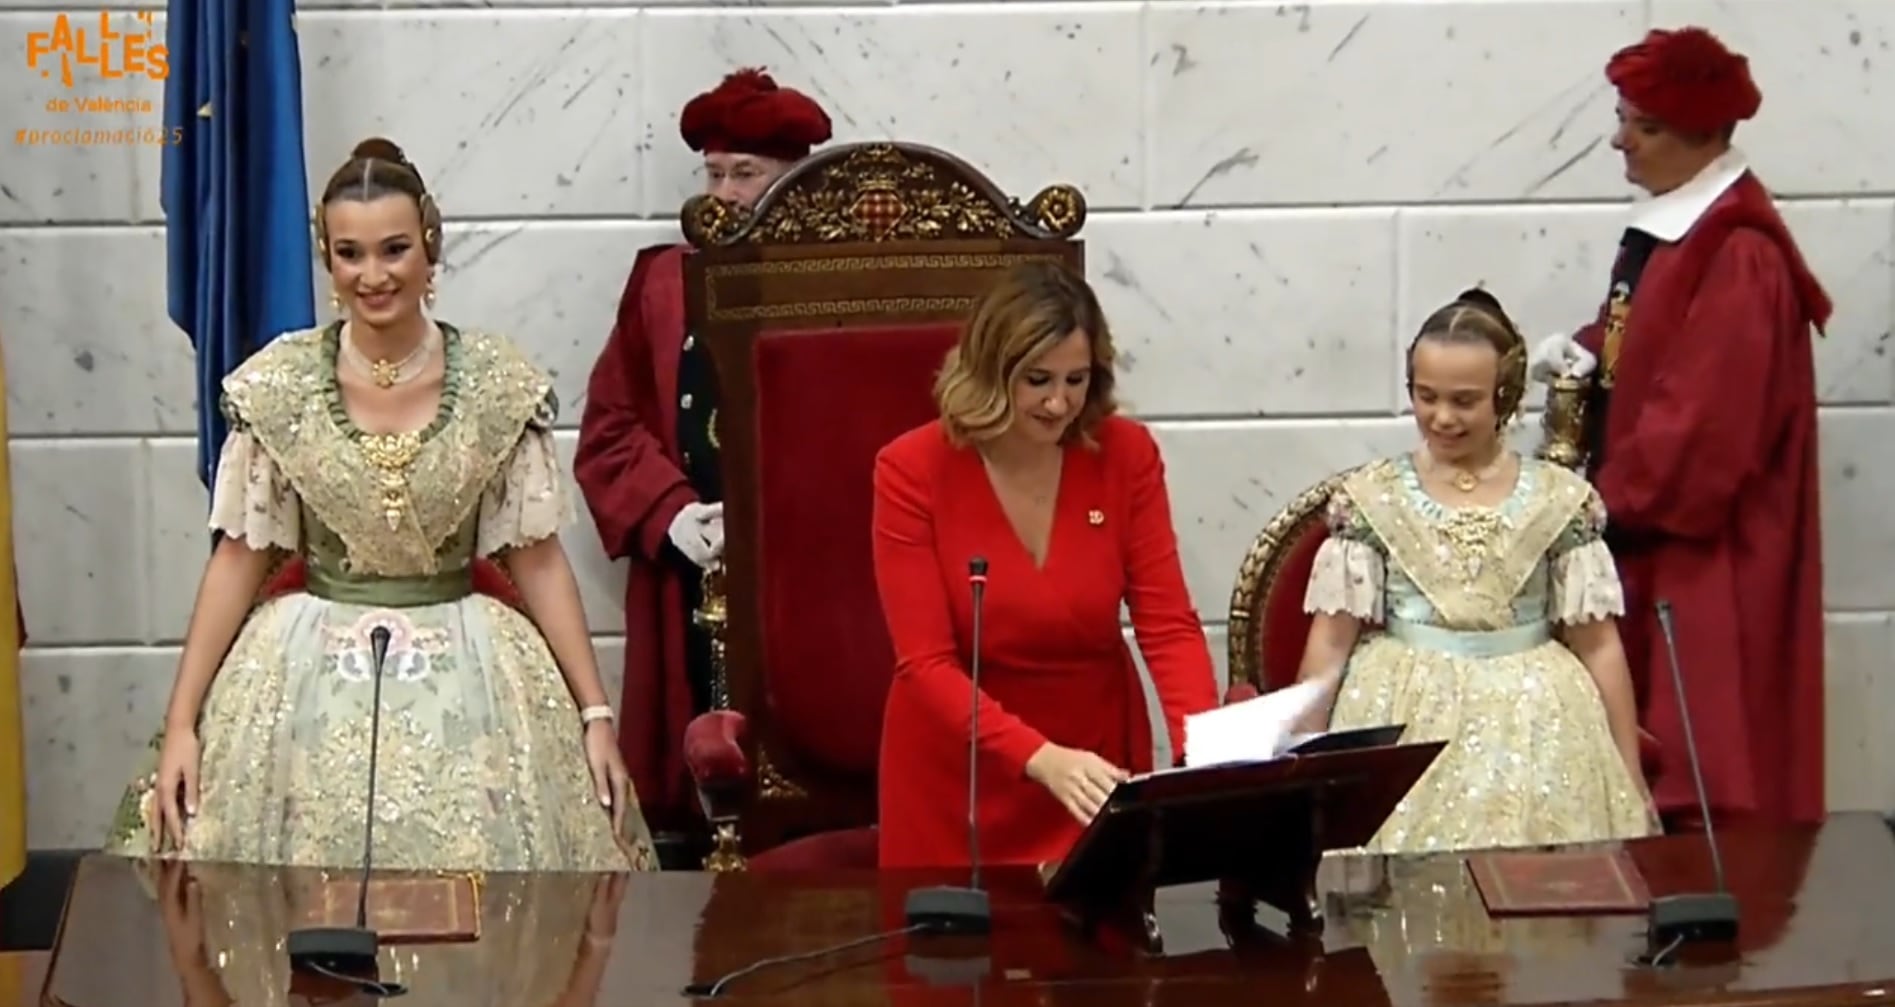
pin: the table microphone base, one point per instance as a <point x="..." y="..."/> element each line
<point x="950" y="911"/>
<point x="334" y="951"/>
<point x="1707" y="918"/>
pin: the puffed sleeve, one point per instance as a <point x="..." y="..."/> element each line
<point x="1349" y="574"/>
<point x="251" y="498"/>
<point x="1585" y="585"/>
<point x="528" y="500"/>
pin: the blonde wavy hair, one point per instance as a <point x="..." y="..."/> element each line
<point x="1032" y="308"/>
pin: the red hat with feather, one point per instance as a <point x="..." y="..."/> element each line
<point x="749" y="114"/>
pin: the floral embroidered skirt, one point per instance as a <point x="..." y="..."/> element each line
<point x="481" y="762"/>
<point x="1530" y="758"/>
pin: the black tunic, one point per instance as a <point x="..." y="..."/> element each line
<point x="697" y="447"/>
<point x="1635" y="250"/>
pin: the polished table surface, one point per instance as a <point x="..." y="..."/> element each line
<point x="1818" y="928"/>
<point x="22" y="975"/>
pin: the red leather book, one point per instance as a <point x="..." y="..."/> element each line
<point x="406" y="910"/>
<point x="1559" y="883"/>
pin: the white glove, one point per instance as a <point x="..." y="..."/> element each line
<point x="698" y="532"/>
<point x="1559" y="355"/>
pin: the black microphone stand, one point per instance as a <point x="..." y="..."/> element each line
<point x="349" y="954"/>
<point x="945" y="910"/>
<point x="1693" y="917"/>
<point x="949" y="909"/>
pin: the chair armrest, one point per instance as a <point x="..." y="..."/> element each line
<point x="714" y="753"/>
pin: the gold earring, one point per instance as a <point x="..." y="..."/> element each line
<point x="430" y="294"/>
<point x="335" y="302"/>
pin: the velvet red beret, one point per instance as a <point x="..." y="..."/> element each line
<point x="749" y="114"/>
<point x="1686" y="79"/>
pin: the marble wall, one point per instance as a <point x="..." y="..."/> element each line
<point x="1280" y="192"/>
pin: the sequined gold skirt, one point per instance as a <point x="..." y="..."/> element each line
<point x="1530" y="758"/>
<point x="481" y="763"/>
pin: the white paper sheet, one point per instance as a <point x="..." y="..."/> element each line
<point x="1253" y="730"/>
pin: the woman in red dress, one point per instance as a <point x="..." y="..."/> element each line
<point x="1030" y="469"/>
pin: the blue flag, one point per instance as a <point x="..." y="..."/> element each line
<point x="235" y="194"/>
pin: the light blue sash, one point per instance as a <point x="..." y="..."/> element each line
<point x="1471" y="643"/>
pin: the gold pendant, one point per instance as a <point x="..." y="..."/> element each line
<point x="1465" y="482"/>
<point x="392" y="454"/>
<point x="392" y="499"/>
<point x="383" y="373"/>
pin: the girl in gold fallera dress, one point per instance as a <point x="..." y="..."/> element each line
<point x="1466" y="592"/>
<point x="388" y="453"/>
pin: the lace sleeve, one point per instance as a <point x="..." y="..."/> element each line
<point x="1349" y="572"/>
<point x="1585" y="583"/>
<point x="528" y="500"/>
<point x="251" y="499"/>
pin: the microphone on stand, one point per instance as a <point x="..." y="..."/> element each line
<point x="947" y="909"/>
<point x="943" y="910"/>
<point x="1698" y="917"/>
<point x="349" y="954"/>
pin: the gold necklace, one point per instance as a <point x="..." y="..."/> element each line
<point x="385" y="373"/>
<point x="1464" y="480"/>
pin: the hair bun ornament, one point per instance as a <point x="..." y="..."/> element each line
<point x="1478" y="297"/>
<point x="381" y="149"/>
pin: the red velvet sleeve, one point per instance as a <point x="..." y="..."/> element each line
<point x="1163" y="619"/>
<point x="1699" y="436"/>
<point x="632" y="489"/>
<point x="1591" y="338"/>
<point x="920" y="616"/>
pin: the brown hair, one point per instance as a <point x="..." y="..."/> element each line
<point x="1030" y="310"/>
<point x="378" y="168"/>
<point x="1476" y="317"/>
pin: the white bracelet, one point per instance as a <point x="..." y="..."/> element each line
<point x="592" y="713"/>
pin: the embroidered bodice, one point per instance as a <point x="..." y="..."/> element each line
<point x="1395" y="552"/>
<point x="298" y="474"/>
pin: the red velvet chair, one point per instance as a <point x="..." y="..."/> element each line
<point x="1268" y="628"/>
<point x="828" y="311"/>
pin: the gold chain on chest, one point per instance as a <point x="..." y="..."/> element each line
<point x="392" y="456"/>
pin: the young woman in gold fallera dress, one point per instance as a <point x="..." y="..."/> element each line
<point x="1467" y="592"/>
<point x="387" y="452"/>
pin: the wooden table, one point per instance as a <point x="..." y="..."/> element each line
<point x="22" y="974"/>
<point x="1819" y="928"/>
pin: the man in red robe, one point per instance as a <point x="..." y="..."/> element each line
<point x="647" y="458"/>
<point x="1701" y="438"/>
